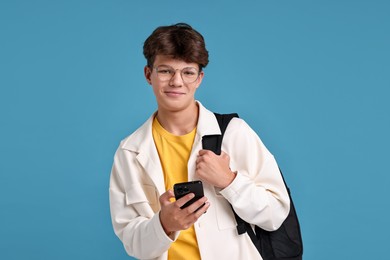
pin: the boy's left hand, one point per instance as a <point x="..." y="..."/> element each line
<point x="214" y="169"/>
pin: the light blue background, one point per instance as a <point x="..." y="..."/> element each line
<point x="312" y="78"/>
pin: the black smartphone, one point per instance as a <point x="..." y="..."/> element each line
<point x="183" y="188"/>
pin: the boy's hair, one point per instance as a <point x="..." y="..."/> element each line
<point x="180" y="41"/>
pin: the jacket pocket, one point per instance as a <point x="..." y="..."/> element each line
<point x="142" y="195"/>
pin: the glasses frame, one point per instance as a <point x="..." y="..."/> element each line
<point x="156" y="68"/>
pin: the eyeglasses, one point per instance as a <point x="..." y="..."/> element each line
<point x="166" y="73"/>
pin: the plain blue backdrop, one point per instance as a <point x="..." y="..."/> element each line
<point x="312" y="78"/>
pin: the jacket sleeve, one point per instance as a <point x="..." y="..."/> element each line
<point x="257" y="194"/>
<point x="135" y="211"/>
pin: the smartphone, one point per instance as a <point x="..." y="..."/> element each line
<point x="183" y="188"/>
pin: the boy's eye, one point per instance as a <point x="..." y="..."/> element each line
<point x="189" y="73"/>
<point x="165" y="71"/>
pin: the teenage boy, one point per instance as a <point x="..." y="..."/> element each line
<point x="167" y="149"/>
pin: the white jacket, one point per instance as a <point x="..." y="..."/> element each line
<point x="257" y="193"/>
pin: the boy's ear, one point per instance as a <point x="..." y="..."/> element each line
<point x="200" y="78"/>
<point x="148" y="74"/>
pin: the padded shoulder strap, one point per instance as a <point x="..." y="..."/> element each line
<point x="223" y="120"/>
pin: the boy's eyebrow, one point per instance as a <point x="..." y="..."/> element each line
<point x="190" y="67"/>
<point x="164" y="65"/>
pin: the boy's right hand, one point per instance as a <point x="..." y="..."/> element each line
<point x="173" y="218"/>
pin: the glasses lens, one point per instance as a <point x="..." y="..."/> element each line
<point x="164" y="73"/>
<point x="189" y="75"/>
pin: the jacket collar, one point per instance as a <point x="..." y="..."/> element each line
<point x="207" y="123"/>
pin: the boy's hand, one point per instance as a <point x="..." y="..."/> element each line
<point x="214" y="169"/>
<point x="173" y="218"/>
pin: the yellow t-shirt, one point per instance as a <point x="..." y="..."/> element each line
<point x="174" y="152"/>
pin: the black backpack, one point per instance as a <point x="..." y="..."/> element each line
<point x="282" y="244"/>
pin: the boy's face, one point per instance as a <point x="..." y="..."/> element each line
<point x="173" y="94"/>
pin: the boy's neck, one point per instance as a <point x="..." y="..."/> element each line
<point x="179" y="122"/>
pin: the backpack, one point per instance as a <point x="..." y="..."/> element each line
<point x="284" y="243"/>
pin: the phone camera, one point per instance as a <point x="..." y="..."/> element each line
<point x="183" y="190"/>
